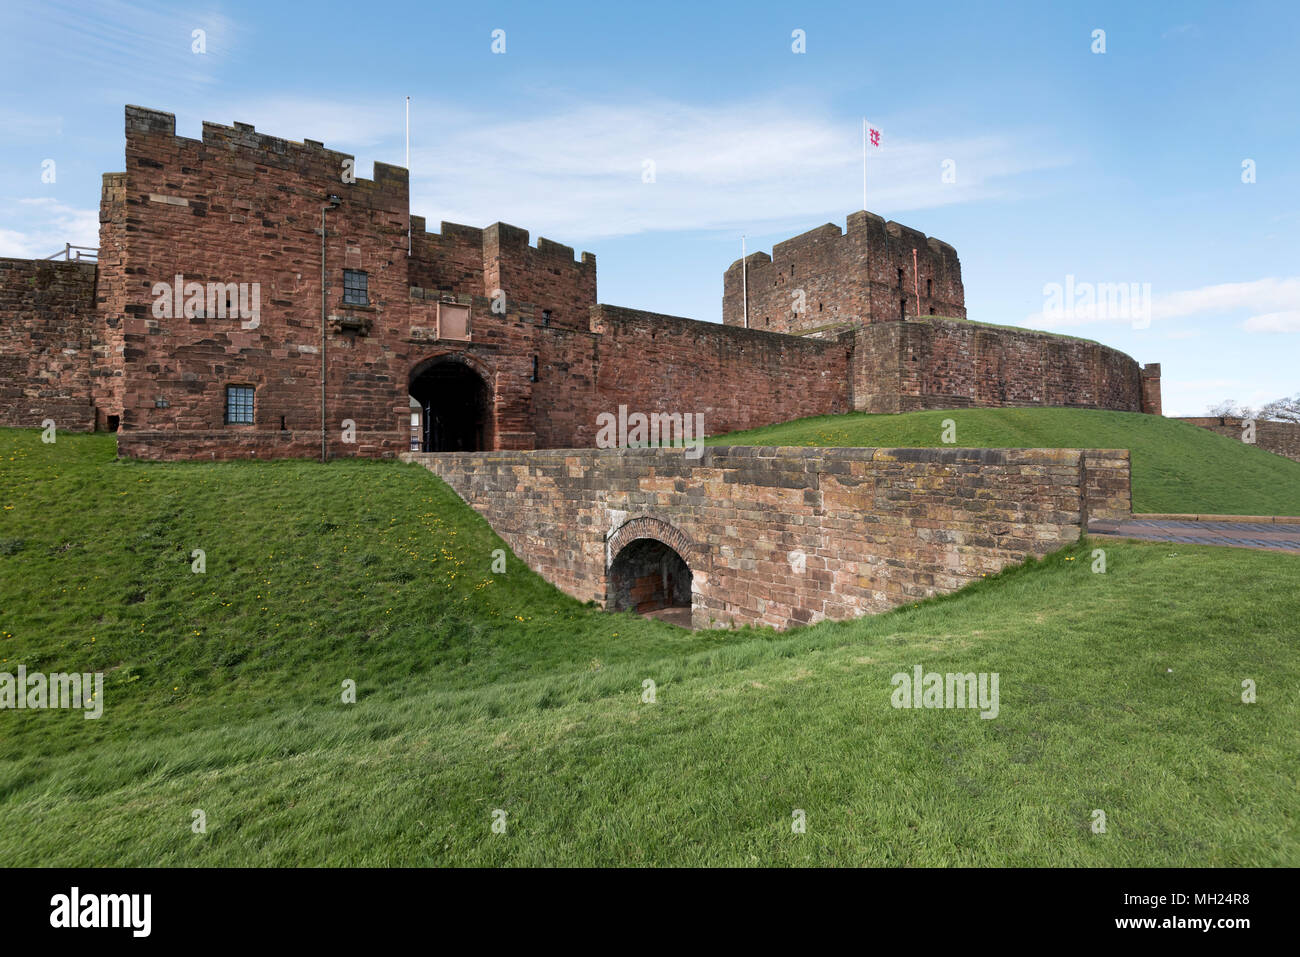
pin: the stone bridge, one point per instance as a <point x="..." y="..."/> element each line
<point x="781" y="536"/>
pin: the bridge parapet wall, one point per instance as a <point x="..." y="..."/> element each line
<point x="787" y="536"/>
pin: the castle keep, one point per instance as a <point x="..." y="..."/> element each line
<point x="220" y="323"/>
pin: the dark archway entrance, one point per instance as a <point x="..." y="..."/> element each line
<point x="650" y="578"/>
<point x="454" y="408"/>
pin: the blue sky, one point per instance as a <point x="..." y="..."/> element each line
<point x="1115" y="167"/>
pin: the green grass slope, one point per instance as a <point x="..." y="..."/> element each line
<point x="1177" y="467"/>
<point x="1118" y="691"/>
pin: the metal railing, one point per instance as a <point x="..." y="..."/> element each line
<point x="80" y="254"/>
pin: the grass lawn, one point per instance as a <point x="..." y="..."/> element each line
<point x="475" y="692"/>
<point x="1177" y="467"/>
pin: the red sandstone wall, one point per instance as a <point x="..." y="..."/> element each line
<point x="936" y="363"/>
<point x="1151" y="403"/>
<point x="241" y="207"/>
<point x="1107" y="485"/>
<point x="110" y="301"/>
<point x="845" y="276"/>
<point x="546" y="277"/>
<point x="736" y="378"/>
<point x="1280" y="438"/>
<point x="46" y="343"/>
<point x="238" y="206"/>
<point x="477" y="262"/>
<point x="876" y="527"/>
<point x="450" y="261"/>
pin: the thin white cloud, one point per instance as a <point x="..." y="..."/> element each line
<point x="53" y="224"/>
<point x="574" y="169"/>
<point x="145" y="44"/>
<point x="1288" y="321"/>
<point x="581" y="170"/>
<point x="1273" y="305"/>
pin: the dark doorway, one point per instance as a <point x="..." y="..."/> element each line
<point x="454" y="408"/>
<point x="650" y="578"/>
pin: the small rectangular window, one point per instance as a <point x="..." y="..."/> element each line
<point x="239" y="405"/>
<point x="534" y="368"/>
<point x="356" y="287"/>
<point x="900" y="279"/>
<point x="546" y="317"/>
<point x="902" y="309"/>
<point x="929" y="287"/>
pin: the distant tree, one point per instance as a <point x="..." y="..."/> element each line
<point x="1228" y="408"/>
<point x="1282" y="410"/>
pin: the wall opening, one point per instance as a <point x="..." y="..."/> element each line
<point x="455" y="409"/>
<point x="651" y="579"/>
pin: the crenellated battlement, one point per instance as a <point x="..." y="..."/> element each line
<point x="240" y="144"/>
<point x="469" y="260"/>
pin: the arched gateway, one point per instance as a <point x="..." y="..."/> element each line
<point x="455" y="400"/>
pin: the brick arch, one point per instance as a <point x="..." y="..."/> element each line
<point x="647" y="526"/>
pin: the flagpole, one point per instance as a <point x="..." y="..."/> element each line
<point x="864" y="164"/>
<point x="408" y="176"/>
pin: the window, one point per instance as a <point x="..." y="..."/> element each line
<point x="239" y="405"/>
<point x="355" y="287"/>
<point x="929" y="287"/>
<point x="902" y="309"/>
<point x="546" y="317"/>
<point x="932" y="310"/>
<point x="534" y="379"/>
<point x="900" y="279"/>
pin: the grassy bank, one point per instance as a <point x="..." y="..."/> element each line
<point x="1118" y="692"/>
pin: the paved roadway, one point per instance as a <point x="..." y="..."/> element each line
<point x="1242" y="534"/>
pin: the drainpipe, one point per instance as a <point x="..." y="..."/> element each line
<point x="324" y="449"/>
